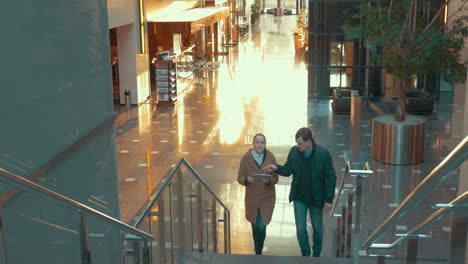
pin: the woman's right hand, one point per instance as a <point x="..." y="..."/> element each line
<point x="250" y="179"/>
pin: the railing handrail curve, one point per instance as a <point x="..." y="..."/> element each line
<point x="456" y="157"/>
<point x="437" y="216"/>
<point x="349" y="172"/>
<point x="166" y="182"/>
<point x="33" y="187"/>
<point x="340" y="188"/>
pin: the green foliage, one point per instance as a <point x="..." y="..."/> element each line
<point x="410" y="43"/>
<point x="301" y="23"/>
<point x="297" y="31"/>
<point x="255" y="8"/>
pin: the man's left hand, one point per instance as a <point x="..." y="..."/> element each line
<point x="328" y="206"/>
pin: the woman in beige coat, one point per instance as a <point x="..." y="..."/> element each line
<point x="259" y="190"/>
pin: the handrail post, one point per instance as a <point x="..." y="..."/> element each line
<point x="205" y="220"/>
<point x="191" y="195"/>
<point x="225" y="233"/>
<point x="215" y="226"/>
<point x="3" y="233"/>
<point x="180" y="209"/>
<point x="162" y="230"/>
<point x="381" y="260"/>
<point x="343" y="230"/>
<point x="412" y="250"/>
<point x="458" y="235"/>
<point x="349" y="222"/>
<point x="357" y="222"/>
<point x="355" y="120"/>
<point x="338" y="236"/>
<point x="136" y="252"/>
<point x="146" y="252"/>
<point x="84" y="240"/>
<point x="229" y="230"/>
<point x="200" y="217"/>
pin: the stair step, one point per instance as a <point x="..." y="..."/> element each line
<point x="211" y="258"/>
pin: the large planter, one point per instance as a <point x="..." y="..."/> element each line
<point x="297" y="42"/>
<point x="399" y="143"/>
<point x="278" y="11"/>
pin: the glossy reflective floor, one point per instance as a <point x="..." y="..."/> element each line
<point x="261" y="87"/>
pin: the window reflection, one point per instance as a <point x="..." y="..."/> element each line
<point x="341" y="55"/>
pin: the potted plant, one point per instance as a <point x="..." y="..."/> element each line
<point x="301" y="16"/>
<point x="408" y="43"/>
<point x="254" y="12"/>
<point x="297" y="33"/>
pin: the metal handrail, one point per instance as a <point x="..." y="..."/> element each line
<point x="166" y="182"/>
<point x="340" y="188"/>
<point x="438" y="216"/>
<point x="458" y="155"/>
<point x="349" y="172"/>
<point x="30" y="186"/>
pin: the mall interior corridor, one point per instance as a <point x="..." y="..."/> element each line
<point x="261" y="87"/>
<point x="124" y="123"/>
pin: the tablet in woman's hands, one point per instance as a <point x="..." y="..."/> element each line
<point x="262" y="175"/>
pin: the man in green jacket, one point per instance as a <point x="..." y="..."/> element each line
<point x="312" y="188"/>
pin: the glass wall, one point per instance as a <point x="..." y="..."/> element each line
<point x="337" y="62"/>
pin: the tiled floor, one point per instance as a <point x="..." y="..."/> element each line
<point x="262" y="87"/>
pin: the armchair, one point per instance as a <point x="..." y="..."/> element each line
<point x="419" y="102"/>
<point x="341" y="101"/>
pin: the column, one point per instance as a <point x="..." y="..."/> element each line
<point x="133" y="66"/>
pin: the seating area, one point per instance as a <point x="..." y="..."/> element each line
<point x="341" y="103"/>
<point x="419" y="102"/>
<point x="286" y="11"/>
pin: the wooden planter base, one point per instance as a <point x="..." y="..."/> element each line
<point x="400" y="143"/>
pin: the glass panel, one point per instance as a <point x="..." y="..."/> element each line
<point x="198" y="223"/>
<point x="104" y="239"/>
<point x="207" y="227"/>
<point x="180" y="210"/>
<point x="188" y="182"/>
<point x="183" y="219"/>
<point x="164" y="229"/>
<point x="45" y="231"/>
<point x="407" y="180"/>
<point x="384" y="191"/>
<point x="220" y="226"/>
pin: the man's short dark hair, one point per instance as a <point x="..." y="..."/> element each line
<point x="305" y="134"/>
